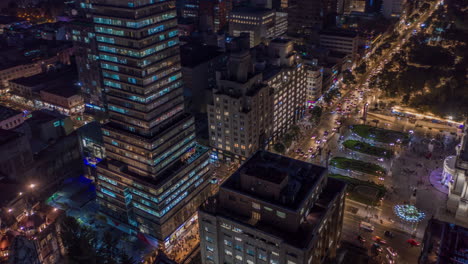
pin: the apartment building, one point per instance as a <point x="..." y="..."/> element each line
<point x="273" y="209"/>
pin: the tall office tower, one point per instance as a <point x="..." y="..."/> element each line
<point x="155" y="174"/>
<point x="262" y="94"/>
<point x="241" y="115"/>
<point x="308" y="16"/>
<point x="273" y="209"/>
<point x="87" y="63"/>
<point x="87" y="57"/>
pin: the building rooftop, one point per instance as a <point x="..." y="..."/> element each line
<point x="8" y="135"/>
<point x="300" y="178"/>
<point x="251" y="11"/>
<point x="66" y="91"/>
<point x="44" y="116"/>
<point x="340" y="33"/>
<point x="450" y="243"/>
<point x="6" y="112"/>
<point x="280" y="40"/>
<point x="303" y="236"/>
<point x="60" y="75"/>
<point x="192" y="55"/>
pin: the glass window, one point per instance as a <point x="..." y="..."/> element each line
<point x="255" y="205"/>
<point x="227" y="243"/>
<point x="280" y="214"/>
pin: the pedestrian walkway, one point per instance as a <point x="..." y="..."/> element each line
<point x="435" y="178"/>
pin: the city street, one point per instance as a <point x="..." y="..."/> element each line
<point x="407" y="180"/>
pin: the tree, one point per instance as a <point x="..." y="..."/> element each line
<point x="125" y="258"/>
<point x="348" y="77"/>
<point x="107" y="252"/>
<point x="79" y="242"/>
<point x="361" y="68"/>
<point x="287" y="140"/>
<point x="279" y="147"/>
<point x="295" y="130"/>
<point x="316" y="113"/>
<point x="328" y="97"/>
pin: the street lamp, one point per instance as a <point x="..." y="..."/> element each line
<point x="32" y="185"/>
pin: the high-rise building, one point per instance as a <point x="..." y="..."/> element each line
<point x="285" y="74"/>
<point x="258" y="98"/>
<point x="87" y="63"/>
<point x="241" y="113"/>
<point x="273" y="209"/>
<point x="155" y="174"/>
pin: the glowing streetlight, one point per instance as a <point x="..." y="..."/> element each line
<point x="32" y="185"/>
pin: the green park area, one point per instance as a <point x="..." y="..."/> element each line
<point x="357" y="165"/>
<point x="380" y="134"/>
<point x="367" y="148"/>
<point x="365" y="192"/>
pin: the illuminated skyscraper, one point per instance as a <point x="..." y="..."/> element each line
<point x="155" y="174"/>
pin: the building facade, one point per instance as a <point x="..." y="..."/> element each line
<point x="286" y="75"/>
<point x="314" y="82"/>
<point x="240" y="115"/>
<point x="155" y="174"/>
<point x="392" y="8"/>
<point x="273" y="209"/>
<point x="262" y="94"/>
<point x="309" y="16"/>
<point x="343" y="42"/>
<point x="443" y="243"/>
<point x="457" y="179"/>
<point x="10" y="118"/>
<point x="88" y="64"/>
<point x="258" y="23"/>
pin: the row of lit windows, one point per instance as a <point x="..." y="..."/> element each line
<point x="132" y="24"/>
<point x="137" y="54"/>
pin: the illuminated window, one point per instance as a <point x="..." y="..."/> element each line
<point x="280" y="214"/>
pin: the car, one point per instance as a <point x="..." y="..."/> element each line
<point x="318" y="141"/>
<point x="389" y="259"/>
<point x="392" y="251"/>
<point x="379" y="240"/>
<point x="325" y="133"/>
<point x="389" y="234"/>
<point x="413" y="242"/>
<point x="361" y="239"/>
<point x="314" y="137"/>
<point x="377" y="248"/>
<point x="366" y="226"/>
<point x="311" y="150"/>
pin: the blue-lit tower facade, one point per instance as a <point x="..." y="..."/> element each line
<point x="155" y="175"/>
